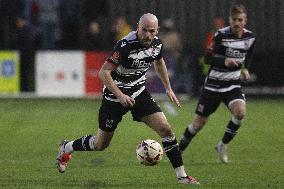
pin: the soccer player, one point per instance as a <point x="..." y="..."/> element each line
<point x="124" y="75"/>
<point x="230" y="52"/>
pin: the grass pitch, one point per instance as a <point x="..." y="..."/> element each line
<point x="30" y="130"/>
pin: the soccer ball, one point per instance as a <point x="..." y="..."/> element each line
<point x="149" y="152"/>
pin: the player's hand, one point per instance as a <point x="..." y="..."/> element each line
<point x="246" y="75"/>
<point x="173" y="97"/>
<point x="126" y="100"/>
<point x="231" y="62"/>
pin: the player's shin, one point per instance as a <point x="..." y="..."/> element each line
<point x="172" y="151"/>
<point x="189" y="133"/>
<point x="231" y="130"/>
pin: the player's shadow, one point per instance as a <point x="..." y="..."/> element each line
<point x="97" y="161"/>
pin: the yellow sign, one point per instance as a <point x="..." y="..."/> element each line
<point x="9" y="72"/>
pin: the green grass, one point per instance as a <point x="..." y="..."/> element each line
<point x="30" y="130"/>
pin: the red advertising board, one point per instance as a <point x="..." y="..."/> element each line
<point x="93" y="63"/>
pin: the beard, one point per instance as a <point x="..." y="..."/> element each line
<point x="146" y="42"/>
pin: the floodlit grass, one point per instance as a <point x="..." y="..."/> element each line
<point x="30" y="130"/>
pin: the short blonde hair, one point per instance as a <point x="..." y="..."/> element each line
<point x="238" y="9"/>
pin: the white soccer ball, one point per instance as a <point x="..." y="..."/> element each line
<point x="149" y="152"/>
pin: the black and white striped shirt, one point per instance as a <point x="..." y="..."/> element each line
<point x="226" y="45"/>
<point x="132" y="60"/>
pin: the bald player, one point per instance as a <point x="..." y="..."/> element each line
<point x="123" y="75"/>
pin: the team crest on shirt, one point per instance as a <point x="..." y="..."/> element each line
<point x="115" y="56"/>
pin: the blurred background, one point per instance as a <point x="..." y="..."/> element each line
<point x="56" y="47"/>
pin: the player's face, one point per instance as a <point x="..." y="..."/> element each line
<point x="237" y="23"/>
<point x="146" y="32"/>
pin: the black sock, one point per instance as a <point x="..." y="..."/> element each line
<point x="82" y="144"/>
<point x="172" y="151"/>
<point x="186" y="139"/>
<point x="230" y="132"/>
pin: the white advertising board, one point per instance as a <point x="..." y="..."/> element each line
<point x="60" y="73"/>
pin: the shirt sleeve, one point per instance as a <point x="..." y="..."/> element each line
<point x="117" y="54"/>
<point x="249" y="55"/>
<point x="160" y="55"/>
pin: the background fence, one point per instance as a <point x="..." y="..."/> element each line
<point x="194" y="18"/>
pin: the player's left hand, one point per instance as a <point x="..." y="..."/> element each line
<point x="173" y="97"/>
<point x="246" y="75"/>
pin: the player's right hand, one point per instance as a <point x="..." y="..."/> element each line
<point x="231" y="62"/>
<point x="173" y="97"/>
<point x="126" y="101"/>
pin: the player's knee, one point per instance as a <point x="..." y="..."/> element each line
<point x="240" y="114"/>
<point x="238" y="110"/>
<point x="199" y="123"/>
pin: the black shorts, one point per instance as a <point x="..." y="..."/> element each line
<point x="111" y="113"/>
<point x="210" y="100"/>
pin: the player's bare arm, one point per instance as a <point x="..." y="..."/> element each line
<point x="161" y="70"/>
<point x="105" y="77"/>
